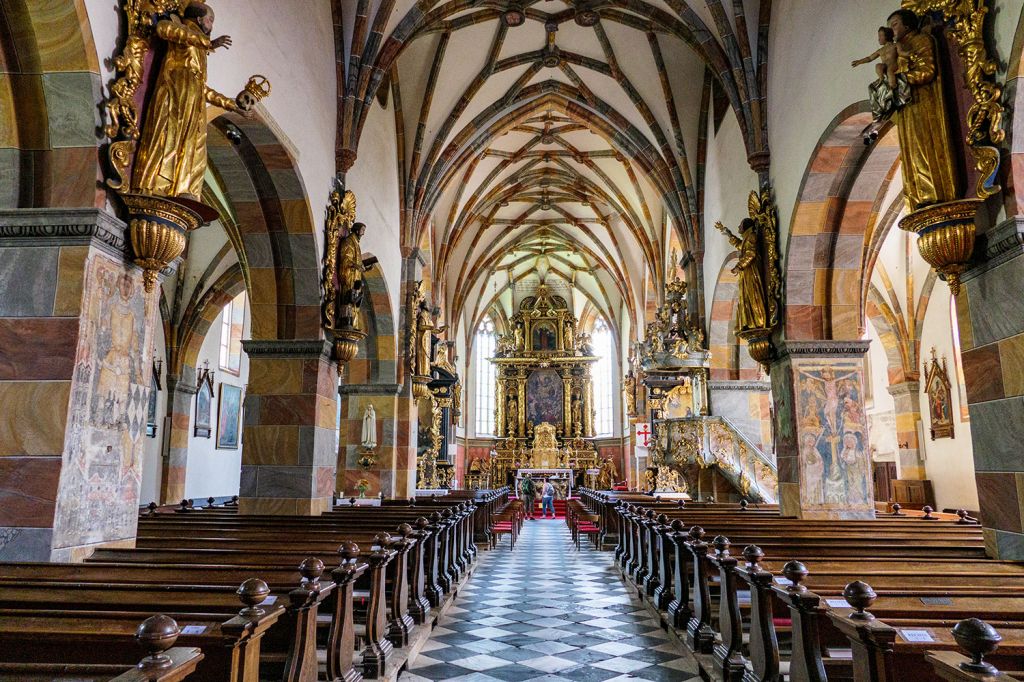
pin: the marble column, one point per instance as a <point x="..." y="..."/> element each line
<point x="181" y="391"/>
<point x="407" y="423"/>
<point x="907" y="399"/>
<point x="289" y="452"/>
<point x="381" y="475"/>
<point x="76" y="329"/>
<point x="821" y="431"/>
<point x="990" y="311"/>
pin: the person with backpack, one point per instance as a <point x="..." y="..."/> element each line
<point x="547" y="499"/>
<point x="529" y="491"/>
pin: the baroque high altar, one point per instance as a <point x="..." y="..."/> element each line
<point x="544" y="393"/>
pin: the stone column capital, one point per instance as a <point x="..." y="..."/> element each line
<point x="298" y="349"/>
<point x="909" y="388"/>
<point x="823" y="349"/>
<point x="370" y="389"/>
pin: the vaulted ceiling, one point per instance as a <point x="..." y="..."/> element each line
<point x="556" y="139"/>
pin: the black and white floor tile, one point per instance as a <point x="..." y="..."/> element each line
<point x="547" y="613"/>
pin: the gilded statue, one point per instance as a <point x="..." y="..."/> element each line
<point x="887" y="92"/>
<point x="457" y="399"/>
<point x="517" y="338"/>
<point x="512" y="411"/>
<point x="608" y="475"/>
<point x="350" y="275"/>
<point x="424" y="338"/>
<point x="751" y="312"/>
<point x="171" y="157"/>
<point x="926" y="149"/>
<point x="629" y="393"/>
<point x="569" y="334"/>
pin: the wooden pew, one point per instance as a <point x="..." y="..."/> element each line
<point x="163" y="662"/>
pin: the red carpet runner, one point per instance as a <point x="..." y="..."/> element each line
<point x="559" y="509"/>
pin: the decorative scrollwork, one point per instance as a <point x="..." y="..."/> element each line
<point x="985" y="115"/>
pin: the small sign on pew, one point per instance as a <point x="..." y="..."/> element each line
<point x="937" y="601"/>
<point x="781" y="580"/>
<point x="838" y="603"/>
<point x="193" y="630"/>
<point x="916" y="636"/>
<point x="269" y="600"/>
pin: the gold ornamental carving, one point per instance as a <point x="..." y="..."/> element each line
<point x="941" y="216"/>
<point x="341" y="281"/>
<point x="158" y="166"/>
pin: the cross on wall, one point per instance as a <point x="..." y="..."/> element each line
<point x="644" y="434"/>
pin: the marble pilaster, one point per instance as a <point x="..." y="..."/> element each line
<point x="289" y="428"/>
<point x="990" y="312"/>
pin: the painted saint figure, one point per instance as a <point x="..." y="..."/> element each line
<point x="171" y="158"/>
<point x="750" y="313"/>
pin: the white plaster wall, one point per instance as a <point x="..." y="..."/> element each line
<point x="149" y="490"/>
<point x="374" y="180"/>
<point x="949" y="461"/>
<point x="213" y="472"/>
<point x="880" y="406"/>
<point x="810" y="81"/>
<point x="294" y="49"/>
<point x="728" y="182"/>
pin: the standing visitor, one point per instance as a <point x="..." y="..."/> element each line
<point x="529" y="491"/>
<point x="547" y="499"/>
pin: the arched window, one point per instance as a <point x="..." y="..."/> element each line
<point x="603" y="379"/>
<point x="484" y="343"/>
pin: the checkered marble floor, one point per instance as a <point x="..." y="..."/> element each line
<point x="545" y="612"/>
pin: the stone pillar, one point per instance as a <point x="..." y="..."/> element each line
<point x="76" y="329"/>
<point x="821" y="430"/>
<point x="990" y="310"/>
<point x="181" y="391"/>
<point x="407" y="421"/>
<point x="907" y="398"/>
<point x="381" y="476"/>
<point x="288" y="440"/>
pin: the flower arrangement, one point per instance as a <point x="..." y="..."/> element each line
<point x="362" y="486"/>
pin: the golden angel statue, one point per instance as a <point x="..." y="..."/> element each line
<point x="171" y="156"/>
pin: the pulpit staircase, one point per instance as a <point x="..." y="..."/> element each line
<point x="714" y="441"/>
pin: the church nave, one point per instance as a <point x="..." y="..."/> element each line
<point x="547" y="612"/>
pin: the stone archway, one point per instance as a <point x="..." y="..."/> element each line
<point x="48" y="160"/>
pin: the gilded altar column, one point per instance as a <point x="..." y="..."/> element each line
<point x="499" y="405"/>
<point x="567" y="386"/>
<point x="588" y="410"/>
<point x="521" y="407"/>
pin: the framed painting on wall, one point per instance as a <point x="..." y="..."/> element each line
<point x="204" y="397"/>
<point x="229" y="412"/>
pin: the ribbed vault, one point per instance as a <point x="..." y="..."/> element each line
<point x="549" y="140"/>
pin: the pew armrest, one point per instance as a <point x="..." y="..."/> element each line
<point x="946" y="665"/>
<point x="183" y="663"/>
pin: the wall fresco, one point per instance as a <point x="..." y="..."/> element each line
<point x="103" y="444"/>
